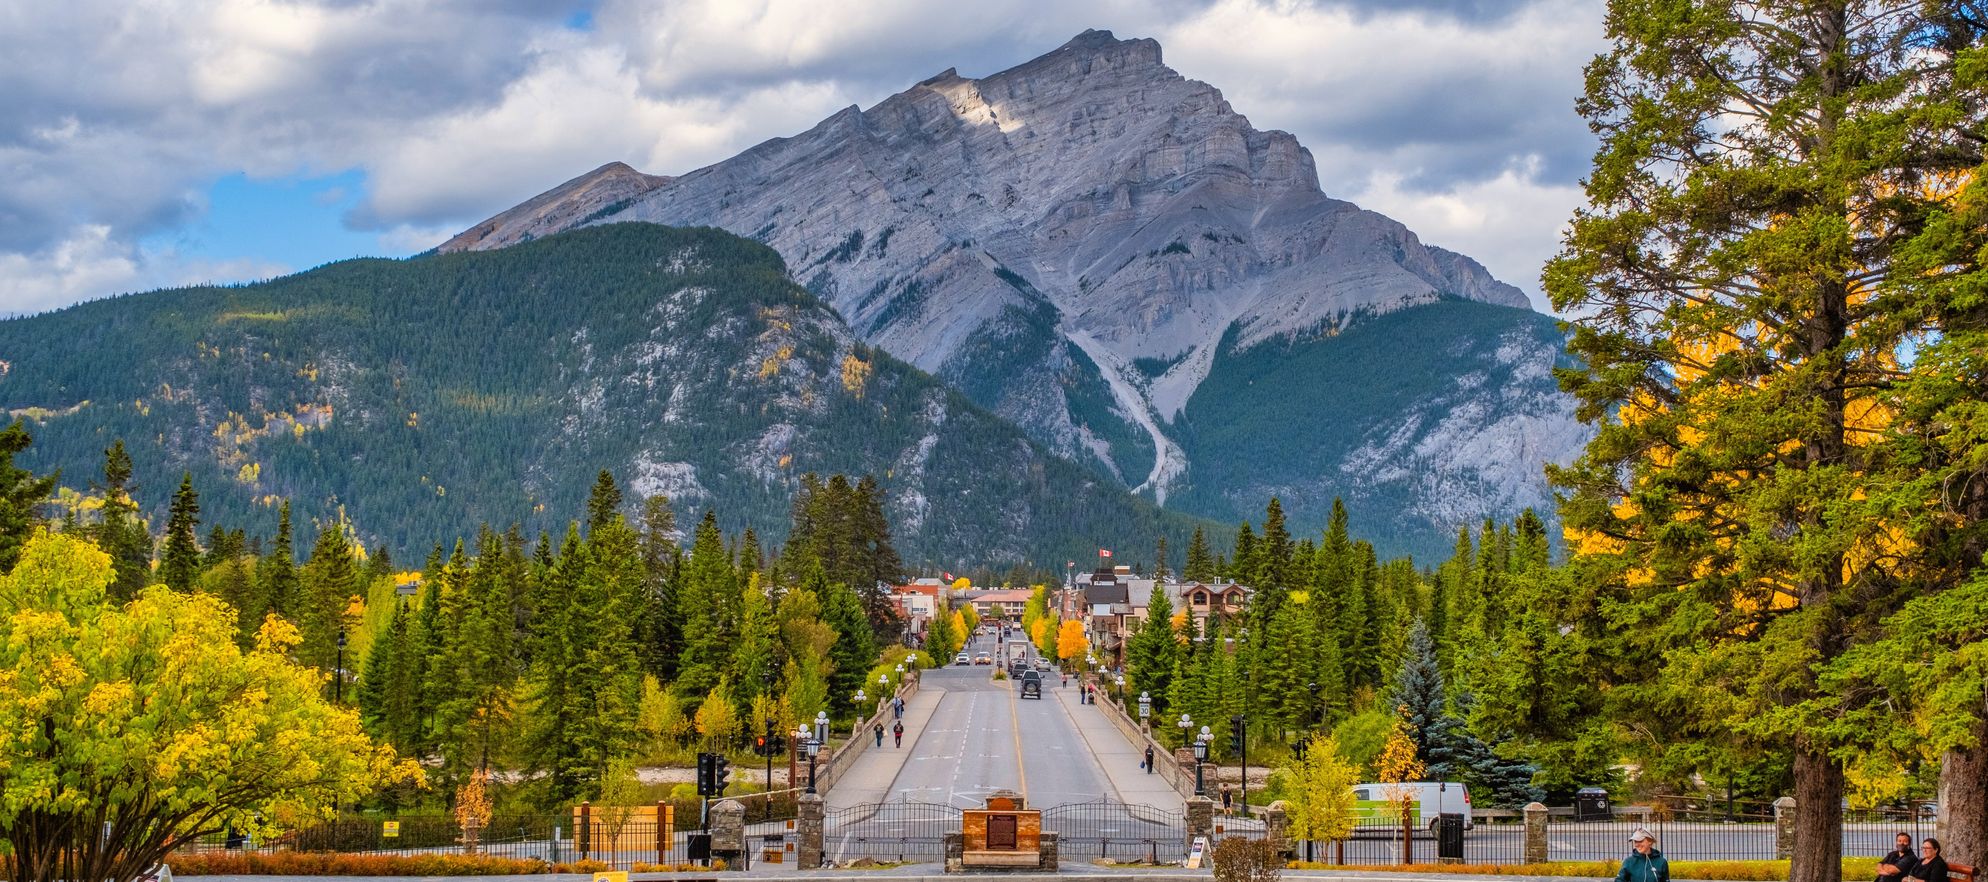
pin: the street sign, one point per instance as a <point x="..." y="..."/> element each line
<point x="390" y="829"/>
<point x="1194" y="855"/>
<point x="617" y="876"/>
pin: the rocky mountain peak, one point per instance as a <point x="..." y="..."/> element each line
<point x="1075" y="241"/>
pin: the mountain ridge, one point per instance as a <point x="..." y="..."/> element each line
<point x="1041" y="236"/>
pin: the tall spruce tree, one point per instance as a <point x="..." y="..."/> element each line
<point x="21" y="494"/>
<point x="123" y="533"/>
<point x="1200" y="564"/>
<point x="658" y="630"/>
<point x="330" y="581"/>
<point x="603" y="502"/>
<point x="179" y="566"/>
<point x="708" y="606"/>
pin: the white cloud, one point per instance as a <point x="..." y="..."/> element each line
<point x="120" y="114"/>
<point x="90" y="263"/>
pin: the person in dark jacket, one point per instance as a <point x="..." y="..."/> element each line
<point x="1645" y="863"/>
<point x="1932" y="867"/>
<point x="1895" y="866"/>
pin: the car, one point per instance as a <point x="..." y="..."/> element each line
<point x="961" y="659"/>
<point x="1032" y="685"/>
<point x="983" y="659"/>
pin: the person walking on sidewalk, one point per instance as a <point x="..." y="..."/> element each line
<point x="1148" y="764"/>
<point x="897" y="708"/>
<point x="880" y="734"/>
<point x="897" y="732"/>
<point x="1228" y="800"/>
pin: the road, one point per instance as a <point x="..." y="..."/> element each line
<point x="982" y="737"/>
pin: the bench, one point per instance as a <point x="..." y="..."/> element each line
<point x="1021" y="859"/>
<point x="1960" y="872"/>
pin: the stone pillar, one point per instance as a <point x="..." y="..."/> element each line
<point x="1535" y="841"/>
<point x="955" y="845"/>
<point x="1200" y="820"/>
<point x="1784" y="828"/>
<point x="728" y="839"/>
<point x="1277" y="827"/>
<point x="1051" y="852"/>
<point x="811" y="827"/>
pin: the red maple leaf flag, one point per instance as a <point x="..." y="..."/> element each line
<point x="1104" y="552"/>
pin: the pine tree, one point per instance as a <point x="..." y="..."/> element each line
<point x="604" y="502"/>
<point x="1245" y="569"/>
<point x="21" y="494"/>
<point x="1273" y="551"/>
<point x="751" y="559"/>
<point x="755" y="657"/>
<point x="123" y="534"/>
<point x="276" y="579"/>
<point x="1200" y="564"/>
<point x="708" y="606"/>
<point x="180" y="564"/>
<point x="880" y="565"/>
<point x="1160" y="571"/>
<point x="1152" y="650"/>
<point x="330" y="580"/>
<point x="855" y="646"/>
<point x="658" y="630"/>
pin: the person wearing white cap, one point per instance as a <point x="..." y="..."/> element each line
<point x="1645" y="863"/>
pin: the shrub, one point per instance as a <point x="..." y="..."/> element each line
<point x="1711" y="871"/>
<point x="315" y="863"/>
<point x="1247" y="860"/>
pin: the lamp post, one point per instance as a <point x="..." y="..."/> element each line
<point x="1200" y="756"/>
<point x="338" y="685"/>
<point x="1186" y="725"/>
<point x="1121" y="690"/>
<point x="813" y="747"/>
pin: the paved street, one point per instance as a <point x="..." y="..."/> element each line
<point x="967" y="735"/>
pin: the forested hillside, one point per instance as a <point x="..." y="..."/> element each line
<point x="427" y="396"/>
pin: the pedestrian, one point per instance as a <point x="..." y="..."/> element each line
<point x="1899" y="864"/>
<point x="897" y="732"/>
<point x="1148" y="764"/>
<point x="1644" y="863"/>
<point x="1228" y="800"/>
<point x="897" y="708"/>
<point x="880" y="734"/>
<point x="1931" y="867"/>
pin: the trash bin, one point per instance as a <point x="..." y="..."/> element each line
<point x="1449" y="838"/>
<point x="1591" y="804"/>
<point x="700" y="847"/>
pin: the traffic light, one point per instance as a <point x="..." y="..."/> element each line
<point x="1236" y="734"/>
<point x="721" y="774"/>
<point x="761" y="746"/>
<point x="704" y="774"/>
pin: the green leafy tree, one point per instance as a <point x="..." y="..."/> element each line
<point x="1318" y="791"/>
<point x="179" y="566"/>
<point x="102" y="694"/>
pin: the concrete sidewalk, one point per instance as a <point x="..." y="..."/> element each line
<point x="870" y="779"/>
<point x="1118" y="756"/>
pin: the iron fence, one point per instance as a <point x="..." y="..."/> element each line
<point x="899" y="831"/>
<point x="1117" y="831"/>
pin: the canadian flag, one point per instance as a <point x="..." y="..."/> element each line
<point x="1104" y="552"/>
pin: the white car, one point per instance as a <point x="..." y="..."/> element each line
<point x="961" y="659"/>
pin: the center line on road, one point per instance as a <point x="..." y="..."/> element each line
<point x="1015" y="728"/>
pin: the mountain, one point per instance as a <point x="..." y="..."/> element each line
<point x="1098" y="248"/>
<point x="425" y="396"/>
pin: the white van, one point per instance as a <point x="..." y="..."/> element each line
<point x="1374" y="804"/>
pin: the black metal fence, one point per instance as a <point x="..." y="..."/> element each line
<point x="1117" y="831"/>
<point x="889" y="831"/>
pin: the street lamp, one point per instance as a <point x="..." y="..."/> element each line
<point x="338" y="687"/>
<point x="1200" y="756"/>
<point x="813" y="747"/>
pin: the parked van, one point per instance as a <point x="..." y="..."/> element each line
<point x="1376" y="806"/>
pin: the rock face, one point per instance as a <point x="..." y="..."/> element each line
<point x="1074" y="242"/>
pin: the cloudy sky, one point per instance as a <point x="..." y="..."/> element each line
<point x="169" y="142"/>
